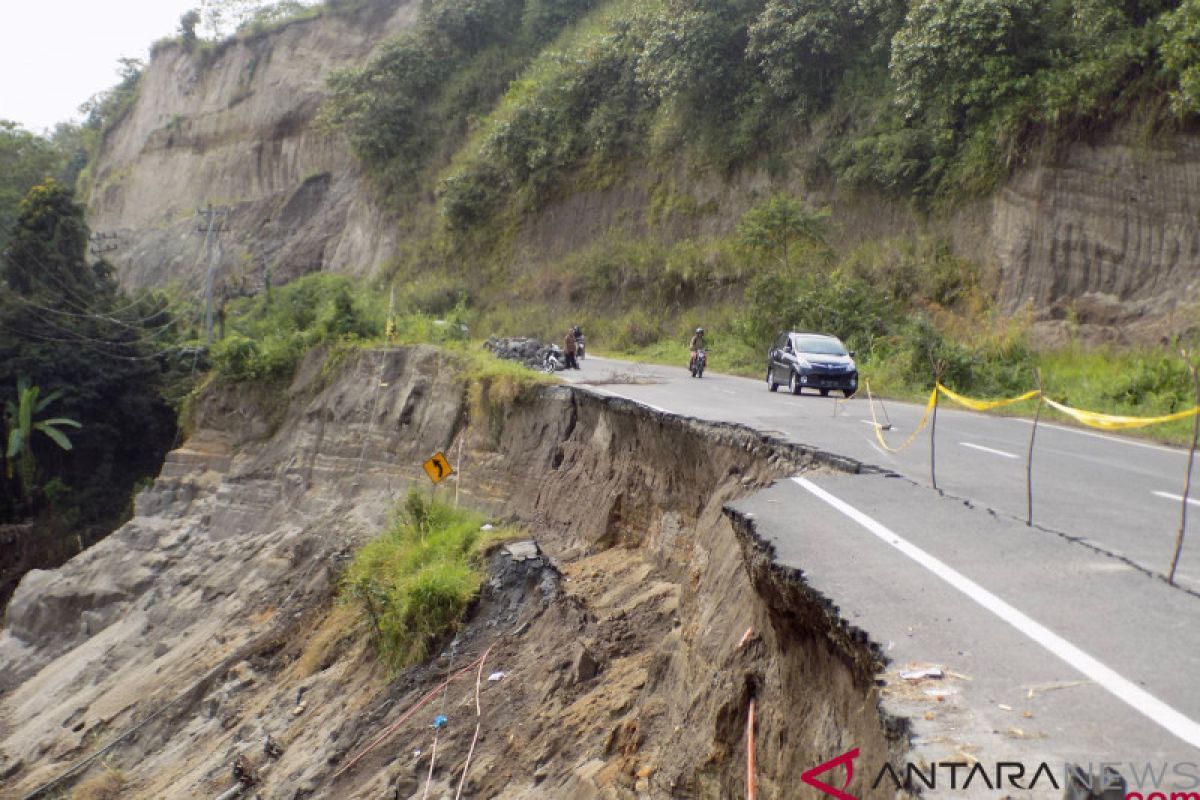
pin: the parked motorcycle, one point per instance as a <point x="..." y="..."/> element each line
<point x="555" y="359"/>
<point x="699" y="363"/>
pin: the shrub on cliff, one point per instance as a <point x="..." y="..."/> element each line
<point x="414" y="583"/>
<point x="269" y="334"/>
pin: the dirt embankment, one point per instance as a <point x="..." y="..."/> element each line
<point x="199" y="648"/>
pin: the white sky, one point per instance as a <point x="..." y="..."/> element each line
<point x="55" y="54"/>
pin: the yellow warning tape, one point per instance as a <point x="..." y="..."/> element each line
<point x="1093" y="419"/>
<point x="1115" y="422"/>
<point x="912" y="436"/>
<point x="986" y="405"/>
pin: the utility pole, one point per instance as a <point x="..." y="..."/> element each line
<point x="100" y="243"/>
<point x="211" y="226"/>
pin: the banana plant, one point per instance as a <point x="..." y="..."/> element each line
<point x="21" y="418"/>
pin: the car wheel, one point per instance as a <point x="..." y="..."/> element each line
<point x="824" y="393"/>
<point x="794" y="384"/>
<point x="771" y="384"/>
<point x="847" y="393"/>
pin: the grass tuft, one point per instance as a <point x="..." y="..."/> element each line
<point x="415" y="582"/>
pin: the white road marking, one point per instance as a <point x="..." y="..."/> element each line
<point x="1139" y="699"/>
<point x="879" y="450"/>
<point x="868" y="422"/>
<point x="1177" y="498"/>
<point x="988" y="450"/>
<point x="1105" y="437"/>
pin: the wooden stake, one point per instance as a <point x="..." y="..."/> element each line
<point x="1187" y="482"/>
<point x="1037" y="415"/>
<point x="751" y="779"/>
<point x="458" y="468"/>
<point x="937" y="382"/>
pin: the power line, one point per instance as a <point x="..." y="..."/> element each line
<point x="210" y="215"/>
<point x="109" y="315"/>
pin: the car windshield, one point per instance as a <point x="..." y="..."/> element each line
<point x="819" y="346"/>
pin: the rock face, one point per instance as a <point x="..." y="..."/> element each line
<point x="235" y="126"/>
<point x="1108" y="233"/>
<point x="1105" y="233"/>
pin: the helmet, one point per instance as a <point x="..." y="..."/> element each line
<point x="699" y="330"/>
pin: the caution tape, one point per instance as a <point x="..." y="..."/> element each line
<point x="912" y="436"/>
<point x="1093" y="419"/>
<point x="1115" y="422"/>
<point x="986" y="405"/>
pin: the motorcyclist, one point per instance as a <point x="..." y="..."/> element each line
<point x="578" y="341"/>
<point x="696" y="345"/>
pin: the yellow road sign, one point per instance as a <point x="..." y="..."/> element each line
<point x="438" y="468"/>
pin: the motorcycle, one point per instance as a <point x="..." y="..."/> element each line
<point x="555" y="359"/>
<point x="699" y="363"/>
<point x="579" y="346"/>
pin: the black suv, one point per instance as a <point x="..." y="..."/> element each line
<point x="811" y="361"/>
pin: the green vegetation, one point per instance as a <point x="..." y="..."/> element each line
<point x="19" y="418"/>
<point x="268" y="335"/>
<point x="414" y="583"/>
<point x="407" y="110"/>
<point x="1133" y="381"/>
<point x="26" y="160"/>
<point x="68" y="336"/>
<point x="505" y="103"/>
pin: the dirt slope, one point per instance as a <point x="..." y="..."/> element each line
<point x="202" y="637"/>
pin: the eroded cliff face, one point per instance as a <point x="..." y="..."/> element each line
<point x="1109" y="233"/>
<point x="198" y="647"/>
<point x="1103" y="233"/>
<point x="235" y="126"/>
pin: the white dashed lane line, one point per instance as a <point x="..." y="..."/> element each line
<point x="988" y="450"/>
<point x="1176" y="497"/>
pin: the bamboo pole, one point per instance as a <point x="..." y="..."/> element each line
<point x="937" y="382"/>
<point x="1187" y="482"/>
<point x="751" y="777"/>
<point x="1037" y="415"/>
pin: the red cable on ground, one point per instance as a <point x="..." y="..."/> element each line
<point x="392" y="728"/>
<point x="751" y="783"/>
<point x="478" y="722"/>
<point x="432" y="761"/>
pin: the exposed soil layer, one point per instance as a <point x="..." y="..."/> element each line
<point x="199" y="649"/>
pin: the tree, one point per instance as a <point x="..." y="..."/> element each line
<point x="187" y="28"/>
<point x="21" y="423"/>
<point x="1181" y="57"/>
<point x="64" y="324"/>
<point x="693" y="54"/>
<point x="46" y="252"/>
<point x="25" y="160"/>
<point x="958" y="58"/>
<point x="224" y="17"/>
<point x="802" y="46"/>
<point x="779" y="223"/>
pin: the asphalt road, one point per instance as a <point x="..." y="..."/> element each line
<point x="1061" y="641"/>
<point x="1119" y="495"/>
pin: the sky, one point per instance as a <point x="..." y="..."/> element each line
<point x="55" y="54"/>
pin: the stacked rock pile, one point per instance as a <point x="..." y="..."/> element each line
<point x="529" y="352"/>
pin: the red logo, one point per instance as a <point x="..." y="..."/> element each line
<point x="844" y="760"/>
